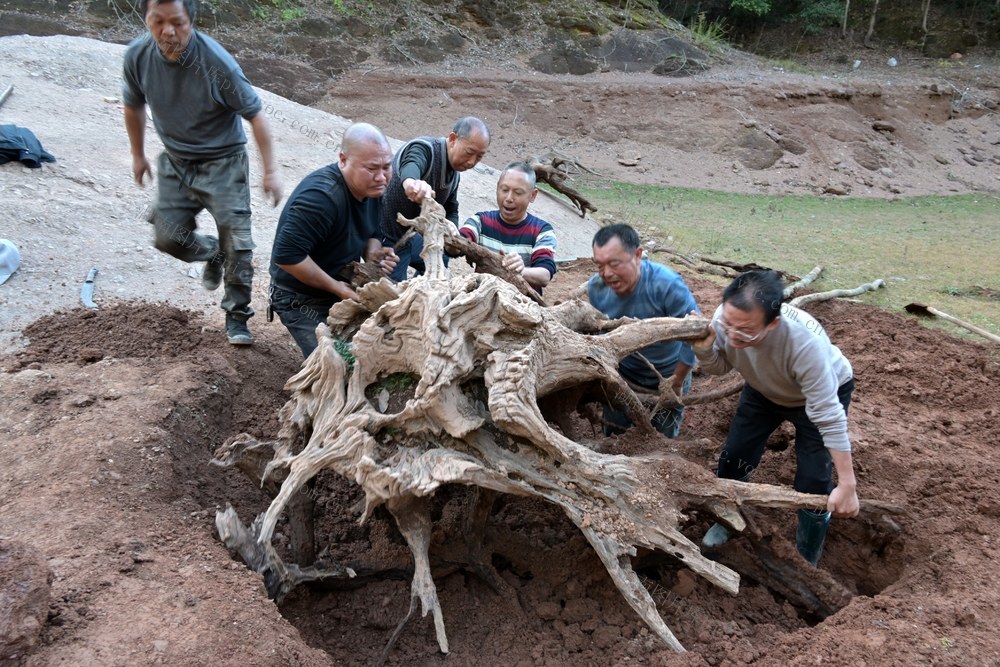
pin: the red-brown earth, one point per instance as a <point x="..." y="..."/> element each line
<point x="109" y="431"/>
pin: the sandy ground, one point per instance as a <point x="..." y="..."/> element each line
<point x="110" y="417"/>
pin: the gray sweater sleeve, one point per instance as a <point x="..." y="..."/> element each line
<point x="714" y="362"/>
<point x="819" y="383"/>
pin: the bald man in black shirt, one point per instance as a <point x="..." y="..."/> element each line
<point x="330" y="220"/>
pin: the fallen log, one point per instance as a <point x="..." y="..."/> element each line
<point x="555" y="170"/>
<point x="695" y="265"/>
<point x="752" y="266"/>
<point x="803" y="281"/>
<point x="806" y="299"/>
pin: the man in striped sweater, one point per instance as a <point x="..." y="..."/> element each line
<point x="527" y="243"/>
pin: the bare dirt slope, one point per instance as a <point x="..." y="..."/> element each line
<point x="109" y="419"/>
<point x="913" y="129"/>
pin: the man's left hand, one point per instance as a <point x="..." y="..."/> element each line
<point x="702" y="345"/>
<point x="512" y="262"/>
<point x="843" y="501"/>
<point x="272" y="188"/>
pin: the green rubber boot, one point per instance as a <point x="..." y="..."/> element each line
<point x="811" y="533"/>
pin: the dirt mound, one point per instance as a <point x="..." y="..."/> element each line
<point x="120" y="330"/>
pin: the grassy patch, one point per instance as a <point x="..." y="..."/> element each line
<point x="397" y="382"/>
<point x="709" y="35"/>
<point x="941" y="251"/>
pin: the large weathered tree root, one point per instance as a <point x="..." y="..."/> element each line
<point x="486" y="356"/>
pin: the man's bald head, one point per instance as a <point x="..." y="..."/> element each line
<point x="362" y="134"/>
<point x="365" y="161"/>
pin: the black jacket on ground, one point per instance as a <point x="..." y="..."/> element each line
<point x="20" y="143"/>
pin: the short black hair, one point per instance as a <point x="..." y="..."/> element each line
<point x="190" y="6"/>
<point x="628" y="236"/>
<point x="466" y="126"/>
<point x="756" y="288"/>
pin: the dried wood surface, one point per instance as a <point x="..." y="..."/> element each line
<point x="555" y="170"/>
<point x="803" y="281"/>
<point x="806" y="299"/>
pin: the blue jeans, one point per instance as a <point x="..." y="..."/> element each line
<point x="301" y="313"/>
<point x="756" y="419"/>
<point x="666" y="421"/>
<point x="409" y="255"/>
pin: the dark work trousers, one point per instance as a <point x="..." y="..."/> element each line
<point x="220" y="186"/>
<point x="756" y="419"/>
<point x="300" y="313"/>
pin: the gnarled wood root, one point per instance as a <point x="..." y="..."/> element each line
<point x="486" y="355"/>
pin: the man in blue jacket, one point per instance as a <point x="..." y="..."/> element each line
<point x="626" y="285"/>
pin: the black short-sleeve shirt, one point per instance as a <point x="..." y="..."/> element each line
<point x="324" y="221"/>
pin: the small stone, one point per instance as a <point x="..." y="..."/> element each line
<point x="686" y="583"/>
<point x="160" y="645"/>
<point x="81" y="401"/>
<point x="548" y="611"/>
<point x="606" y="636"/>
<point x="24" y="599"/>
<point x="629" y="160"/>
<point x="888" y="173"/>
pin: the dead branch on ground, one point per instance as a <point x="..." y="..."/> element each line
<point x="803" y="282"/>
<point x="555" y="170"/>
<point x="806" y="299"/>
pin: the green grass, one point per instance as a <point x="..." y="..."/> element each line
<point x="709" y="35"/>
<point x="397" y="382"/>
<point x="940" y="251"/>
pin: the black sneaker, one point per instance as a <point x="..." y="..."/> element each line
<point x="237" y="331"/>
<point x="211" y="277"/>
